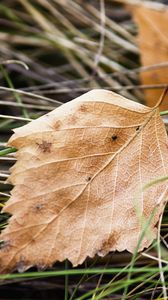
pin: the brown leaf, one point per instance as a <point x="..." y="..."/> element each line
<point x="153" y="43"/>
<point x="78" y="181"/>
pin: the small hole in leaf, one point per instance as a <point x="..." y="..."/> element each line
<point x="137" y="128"/>
<point x="114" y="137"/>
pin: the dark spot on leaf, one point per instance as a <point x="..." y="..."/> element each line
<point x="108" y="244"/>
<point x="89" y="178"/>
<point x="137" y="128"/>
<point x="39" y="206"/>
<point x="114" y="137"/>
<point x="132" y="212"/>
<point x="83" y="108"/>
<point x="72" y="119"/>
<point x="56" y="125"/>
<point x="45" y="146"/>
<point x="33" y="240"/>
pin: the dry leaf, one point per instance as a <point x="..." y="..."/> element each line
<point x="76" y="179"/>
<point x="153" y="43"/>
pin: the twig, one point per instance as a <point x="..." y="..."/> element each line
<point x="30" y="94"/>
<point x="4" y="194"/>
<point x="113" y="88"/>
<point x="15" y="118"/>
<point x="14" y="61"/>
<point x="154" y="258"/>
<point x="149" y="4"/>
<point x="32" y="106"/>
<point x="4" y="175"/>
<point x="102" y="35"/>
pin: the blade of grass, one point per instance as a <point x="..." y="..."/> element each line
<point x="66" y="282"/>
<point x="146" y="225"/>
<point x="7" y="151"/>
<point x="73" y="272"/>
<point x="162" y="278"/>
<point x="163" y="113"/>
<point x="16" y="96"/>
